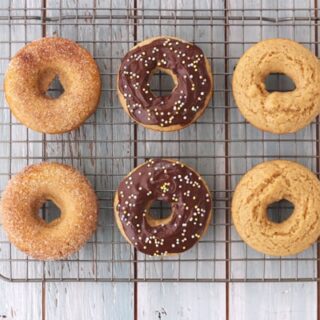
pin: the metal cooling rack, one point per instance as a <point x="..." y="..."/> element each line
<point x="221" y="145"/>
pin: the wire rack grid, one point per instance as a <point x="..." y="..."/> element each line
<point x="222" y="146"/>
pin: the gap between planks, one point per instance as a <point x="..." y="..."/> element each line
<point x="227" y="179"/>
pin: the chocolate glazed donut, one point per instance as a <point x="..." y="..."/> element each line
<point x="175" y="183"/>
<point x="191" y="74"/>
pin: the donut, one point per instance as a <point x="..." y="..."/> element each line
<point x="191" y="74"/>
<point x="277" y="112"/>
<point x="30" y="73"/>
<point x="24" y="195"/>
<point x="270" y="182"/>
<point x="175" y="183"/>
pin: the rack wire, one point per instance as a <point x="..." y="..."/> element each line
<point x="221" y="146"/>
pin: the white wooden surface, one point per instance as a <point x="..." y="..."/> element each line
<point x="179" y="301"/>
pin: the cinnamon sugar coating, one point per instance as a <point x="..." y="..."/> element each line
<point x="30" y="73"/>
<point x="27" y="191"/>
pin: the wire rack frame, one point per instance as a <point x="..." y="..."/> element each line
<point x="222" y="146"/>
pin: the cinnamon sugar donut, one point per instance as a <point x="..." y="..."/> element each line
<point x="27" y="192"/>
<point x="30" y="73"/>
<point x="191" y="74"/>
<point x="175" y="183"/>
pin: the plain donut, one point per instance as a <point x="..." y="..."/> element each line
<point x="277" y="112"/>
<point x="270" y="182"/>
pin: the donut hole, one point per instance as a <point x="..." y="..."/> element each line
<point x="279" y="82"/>
<point x="162" y="82"/>
<point x="55" y="88"/>
<point x="159" y="213"/>
<point x="280" y="211"/>
<point x="49" y="212"/>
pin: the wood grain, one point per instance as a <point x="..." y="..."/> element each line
<point x="273" y="301"/>
<point x="76" y="301"/>
<point x="181" y="301"/>
<point x="20" y="301"/>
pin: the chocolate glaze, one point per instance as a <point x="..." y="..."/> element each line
<point x="194" y="83"/>
<point x="169" y="181"/>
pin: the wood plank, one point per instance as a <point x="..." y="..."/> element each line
<point x="183" y="145"/>
<point x="265" y="296"/>
<point x="248" y="153"/>
<point x="104" y="163"/>
<point x="23" y="300"/>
